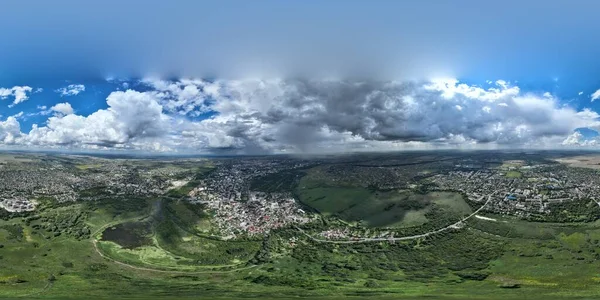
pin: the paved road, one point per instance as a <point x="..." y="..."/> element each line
<point x="404" y="238"/>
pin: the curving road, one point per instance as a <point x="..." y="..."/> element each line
<point x="404" y="238"/>
<point x="164" y="271"/>
<point x="362" y="240"/>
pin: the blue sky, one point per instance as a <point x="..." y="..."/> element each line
<point x="464" y="39"/>
<point x="250" y="58"/>
<point x="84" y="103"/>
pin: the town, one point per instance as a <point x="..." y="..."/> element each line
<point x="526" y="189"/>
<point x="239" y="208"/>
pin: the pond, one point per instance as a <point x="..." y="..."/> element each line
<point x="129" y="235"/>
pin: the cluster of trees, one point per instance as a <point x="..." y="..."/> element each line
<point x="15" y="231"/>
<point x="298" y="281"/>
<point x="437" y="216"/>
<point x="217" y="252"/>
<point x="6" y="215"/>
<point x="72" y="225"/>
<point x="426" y="187"/>
<point x="583" y="210"/>
<point x="284" y="181"/>
<point x="184" y="214"/>
<point x="464" y="254"/>
<point x="270" y="245"/>
<point x="119" y="205"/>
<point x="49" y="203"/>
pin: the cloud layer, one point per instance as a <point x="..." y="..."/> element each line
<point x="309" y="116"/>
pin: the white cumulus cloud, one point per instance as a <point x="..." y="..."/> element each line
<point x="577" y="139"/>
<point x="131" y="116"/>
<point x="10" y="131"/>
<point x="62" y="108"/>
<point x="595" y="95"/>
<point x="19" y="93"/>
<point x="71" y="90"/>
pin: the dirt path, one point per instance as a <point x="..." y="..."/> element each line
<point x="43" y="290"/>
<point x="155" y="211"/>
<point x="95" y="243"/>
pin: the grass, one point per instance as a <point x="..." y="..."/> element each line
<point x="333" y="200"/>
<point x="451" y="201"/>
<point x="514" y="174"/>
<point x="511" y="164"/>
<point x="374" y="208"/>
<point x="84" y="167"/>
<point x="190" y="216"/>
<point x="545" y="260"/>
<point x="283" y="181"/>
<point x="146" y="256"/>
<point x="84" y="274"/>
<point x="560" y="258"/>
<point x="413" y="218"/>
<point x="202" y="250"/>
<point x="63" y="267"/>
<point x="169" y="239"/>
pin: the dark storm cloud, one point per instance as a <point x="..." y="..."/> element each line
<point x="303" y="114"/>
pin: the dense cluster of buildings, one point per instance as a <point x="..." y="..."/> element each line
<point x="357" y="233"/>
<point x="258" y="215"/>
<point x="524" y="189"/>
<point x="516" y="187"/>
<point x="17" y="205"/>
<point x="32" y="180"/>
<point x="240" y="211"/>
<point x="72" y="179"/>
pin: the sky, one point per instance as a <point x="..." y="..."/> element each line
<point x="259" y="77"/>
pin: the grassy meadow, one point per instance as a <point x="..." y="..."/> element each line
<point x="378" y="208"/>
<point x="168" y="248"/>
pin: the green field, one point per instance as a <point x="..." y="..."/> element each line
<point x="190" y="216"/>
<point x="284" y="181"/>
<point x="375" y="208"/>
<point x="168" y="248"/>
<point x="55" y="262"/>
<point x="505" y="259"/>
<point x="514" y="174"/>
<point x="171" y="238"/>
